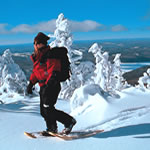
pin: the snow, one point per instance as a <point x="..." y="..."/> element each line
<point x="126" y="121"/>
<point x="96" y="96"/>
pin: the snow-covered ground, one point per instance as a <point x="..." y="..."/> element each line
<point x="126" y="121"/>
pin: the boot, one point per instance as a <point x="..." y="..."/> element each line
<point x="69" y="127"/>
<point x="52" y="129"/>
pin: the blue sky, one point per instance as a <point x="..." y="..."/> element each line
<point x="21" y="20"/>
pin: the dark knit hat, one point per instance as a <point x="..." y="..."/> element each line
<point x="41" y="38"/>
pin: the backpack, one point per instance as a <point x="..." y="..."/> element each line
<point x="61" y="53"/>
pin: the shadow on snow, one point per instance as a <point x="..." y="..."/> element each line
<point x="21" y="107"/>
<point x="132" y="130"/>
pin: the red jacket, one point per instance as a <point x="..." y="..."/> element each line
<point x="43" y="68"/>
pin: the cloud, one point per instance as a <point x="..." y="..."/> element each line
<point x="85" y="26"/>
<point x="118" y="28"/>
<point x="50" y="26"/>
<point x="24" y="28"/>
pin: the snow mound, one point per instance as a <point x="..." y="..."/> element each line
<point x="81" y="95"/>
<point x="97" y="106"/>
<point x="88" y="104"/>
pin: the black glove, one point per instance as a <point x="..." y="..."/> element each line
<point x="29" y="88"/>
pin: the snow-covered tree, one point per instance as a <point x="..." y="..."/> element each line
<point x="98" y="73"/>
<point x="62" y="33"/>
<point x="107" y="78"/>
<point x="144" y="81"/>
<point x="79" y="72"/>
<point x="12" y="78"/>
<point x="63" y="38"/>
<point x="117" y="81"/>
<point x="102" y="66"/>
<point x="108" y="75"/>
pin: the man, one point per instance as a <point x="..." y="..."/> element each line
<point x="46" y="69"/>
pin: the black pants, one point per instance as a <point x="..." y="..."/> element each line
<point x="48" y="99"/>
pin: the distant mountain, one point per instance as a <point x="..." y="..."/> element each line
<point x="132" y="77"/>
<point x="18" y="48"/>
<point x="131" y="50"/>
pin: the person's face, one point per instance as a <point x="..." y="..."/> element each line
<point x="37" y="46"/>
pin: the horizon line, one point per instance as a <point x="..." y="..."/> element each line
<point x="82" y="40"/>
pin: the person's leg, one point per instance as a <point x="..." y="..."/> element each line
<point x="65" y="119"/>
<point x="61" y="116"/>
<point x="47" y="109"/>
<point x="51" y="114"/>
